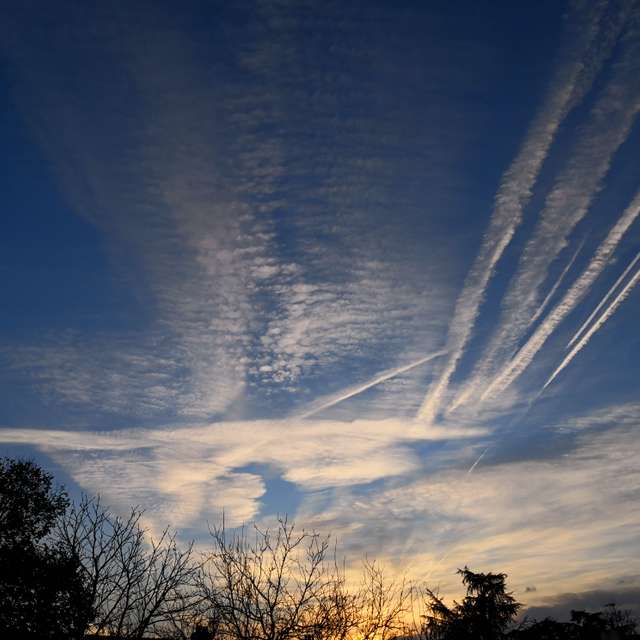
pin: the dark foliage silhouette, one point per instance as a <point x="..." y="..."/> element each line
<point x="484" y="614"/>
<point x="488" y="612"/>
<point x="42" y="590"/>
<point x="609" y="624"/>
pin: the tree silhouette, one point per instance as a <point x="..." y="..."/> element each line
<point x="620" y="620"/>
<point x="484" y="614"/>
<point x="42" y="591"/>
<point x="70" y="569"/>
<point x="136" y="584"/>
<point x="29" y="506"/>
<point x="546" y="629"/>
<point x="283" y="584"/>
<point x="611" y="622"/>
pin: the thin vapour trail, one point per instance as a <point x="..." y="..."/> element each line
<point x="618" y="300"/>
<point x="355" y="390"/>
<point x="446" y="554"/>
<point x="513" y="423"/>
<point x="572" y="79"/>
<point x="477" y="462"/>
<point x="602" y="302"/>
<point x="555" y="287"/>
<point x="571" y="298"/>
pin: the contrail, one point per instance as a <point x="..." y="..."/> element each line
<point x="450" y="551"/>
<point x="465" y="393"/>
<point x="608" y="125"/>
<point x="571" y="298"/>
<point x="601" y="320"/>
<point x="557" y="283"/>
<point x="355" y="390"/>
<point x="478" y="459"/>
<point x="609" y="293"/>
<point x="571" y="81"/>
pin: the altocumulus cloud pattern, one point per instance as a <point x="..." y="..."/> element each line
<point x="375" y="264"/>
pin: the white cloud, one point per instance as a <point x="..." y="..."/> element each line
<point x="564" y="524"/>
<point x="191" y="473"/>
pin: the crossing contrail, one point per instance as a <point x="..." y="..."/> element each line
<point x="334" y="399"/>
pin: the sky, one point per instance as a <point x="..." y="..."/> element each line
<point x="371" y="264"/>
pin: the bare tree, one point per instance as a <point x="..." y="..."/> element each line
<point x="383" y="605"/>
<point x="136" y="583"/>
<point x="284" y="584"/>
<point x="275" y="587"/>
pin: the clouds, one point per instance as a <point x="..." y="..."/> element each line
<point x="565" y="206"/>
<point x="571" y="298"/>
<point x="623" y="594"/>
<point x="511" y="348"/>
<point x="548" y="522"/>
<point x="249" y="285"/>
<point x="325" y="403"/>
<point x="606" y="314"/>
<point x="190" y="474"/>
<point x="570" y="83"/>
<point x="362" y="214"/>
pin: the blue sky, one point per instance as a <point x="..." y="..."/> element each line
<point x="370" y="263"/>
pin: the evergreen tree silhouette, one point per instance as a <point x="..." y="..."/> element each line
<point x="484" y="614"/>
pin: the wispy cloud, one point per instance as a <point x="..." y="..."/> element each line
<point x="250" y="287"/>
<point x="607" y="127"/>
<point x="566" y="511"/>
<point x="556" y="285"/>
<point x="470" y="389"/>
<point x="197" y="467"/>
<point x="287" y="215"/>
<point x="570" y="83"/>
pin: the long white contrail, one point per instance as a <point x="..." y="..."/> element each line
<point x="345" y="394"/>
<point x="604" y="300"/>
<point x="606" y="129"/>
<point x="571" y="298"/>
<point x="596" y="325"/>
<point x="571" y="81"/>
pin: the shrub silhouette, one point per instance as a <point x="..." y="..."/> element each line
<point x="610" y="623"/>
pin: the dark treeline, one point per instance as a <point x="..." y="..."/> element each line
<point x="78" y="570"/>
<point x="489" y="612"/>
